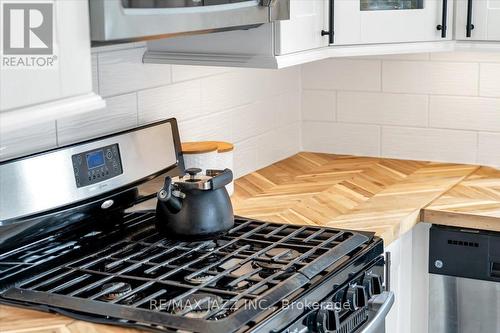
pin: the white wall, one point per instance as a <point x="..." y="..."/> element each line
<point x="258" y="110"/>
<point x="440" y="107"/>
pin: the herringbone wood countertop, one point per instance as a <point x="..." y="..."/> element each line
<point x="382" y="195"/>
<point x="373" y="194"/>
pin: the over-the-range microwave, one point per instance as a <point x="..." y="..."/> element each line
<point x="112" y="20"/>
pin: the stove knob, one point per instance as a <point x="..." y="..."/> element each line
<point x="356" y="297"/>
<point x="327" y="320"/>
<point x="352" y="298"/>
<point x="377" y="284"/>
<point x="362" y="296"/>
<point x="367" y="283"/>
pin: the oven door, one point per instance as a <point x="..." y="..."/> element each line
<point x="142" y="19"/>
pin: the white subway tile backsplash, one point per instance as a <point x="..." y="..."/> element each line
<point x="415" y="106"/>
<point x="215" y="127"/>
<point x="340" y="138"/>
<point x="439" y="78"/>
<point x="120" y="113"/>
<point x="180" y="100"/>
<point x="470" y="113"/>
<point x="242" y="86"/>
<point x="464" y="56"/>
<point x="278" y="144"/>
<point x="382" y="108"/>
<point x="184" y="73"/>
<point x="429" y="144"/>
<point x="490" y="80"/>
<point x="319" y="105"/>
<point x="123" y="71"/>
<point x="235" y="88"/>
<point x="245" y="156"/>
<point x="210" y="103"/>
<point x="274" y="82"/>
<point x="253" y="119"/>
<point x="342" y="74"/>
<point x="288" y="108"/>
<point x="489" y="149"/>
<point x="23" y="141"/>
<point x="429" y="106"/>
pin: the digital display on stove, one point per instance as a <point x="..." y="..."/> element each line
<point x="95" y="159"/>
<point x="97" y="165"/>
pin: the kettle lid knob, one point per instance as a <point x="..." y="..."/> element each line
<point x="193" y="172"/>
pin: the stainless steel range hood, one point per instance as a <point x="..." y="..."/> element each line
<point x="128" y="20"/>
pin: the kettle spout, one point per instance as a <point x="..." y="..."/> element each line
<point x="165" y="196"/>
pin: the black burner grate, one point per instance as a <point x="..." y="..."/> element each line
<point x="145" y="277"/>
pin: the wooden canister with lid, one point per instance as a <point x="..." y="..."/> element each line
<point x="209" y="155"/>
<point x="201" y="155"/>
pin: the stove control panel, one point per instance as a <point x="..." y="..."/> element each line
<point x="97" y="165"/>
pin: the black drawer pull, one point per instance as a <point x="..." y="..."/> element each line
<point x="329" y="32"/>
<point x="469" y="27"/>
<point x="442" y="27"/>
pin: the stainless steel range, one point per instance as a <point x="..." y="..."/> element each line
<point x="91" y="253"/>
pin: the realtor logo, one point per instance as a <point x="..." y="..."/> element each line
<point x="27" y="28"/>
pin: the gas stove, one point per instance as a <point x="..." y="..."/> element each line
<point x="100" y="258"/>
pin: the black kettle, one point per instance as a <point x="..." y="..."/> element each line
<point x="195" y="206"/>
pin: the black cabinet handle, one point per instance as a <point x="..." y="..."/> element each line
<point x="469" y="26"/>
<point x="331" y="11"/>
<point x="444" y="19"/>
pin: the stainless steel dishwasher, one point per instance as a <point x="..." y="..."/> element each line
<point x="464" y="282"/>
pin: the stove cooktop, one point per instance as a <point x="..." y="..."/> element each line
<point x="133" y="276"/>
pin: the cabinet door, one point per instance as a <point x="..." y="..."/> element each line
<point x="390" y="21"/>
<point x="303" y="30"/>
<point x="485" y="17"/>
<point x="392" y="321"/>
<point x="71" y="76"/>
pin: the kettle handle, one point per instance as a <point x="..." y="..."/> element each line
<point x="221" y="179"/>
<point x="166" y="196"/>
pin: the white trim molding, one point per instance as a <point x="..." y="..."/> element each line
<point x="26" y="116"/>
<point x="293" y="59"/>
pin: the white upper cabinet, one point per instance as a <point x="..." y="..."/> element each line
<point x="59" y="79"/>
<point x="477" y="20"/>
<point x="392" y="21"/>
<point x="361" y="27"/>
<point x="303" y="31"/>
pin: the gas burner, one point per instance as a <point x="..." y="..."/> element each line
<point x="269" y="268"/>
<point x="243" y="269"/>
<point x="197" y="305"/>
<point x="281" y="253"/>
<point x="267" y="265"/>
<point x="206" y="246"/>
<point x="116" y="290"/>
<point x="241" y="285"/>
<point x="199" y="279"/>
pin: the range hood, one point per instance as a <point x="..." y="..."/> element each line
<point x="130" y="20"/>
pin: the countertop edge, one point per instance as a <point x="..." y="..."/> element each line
<point x="461" y="220"/>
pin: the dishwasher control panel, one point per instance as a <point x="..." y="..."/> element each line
<point x="467" y="253"/>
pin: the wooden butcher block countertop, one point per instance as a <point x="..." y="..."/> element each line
<point x="385" y="196"/>
<point x="374" y="194"/>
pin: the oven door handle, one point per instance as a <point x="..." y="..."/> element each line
<point x="380" y="304"/>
